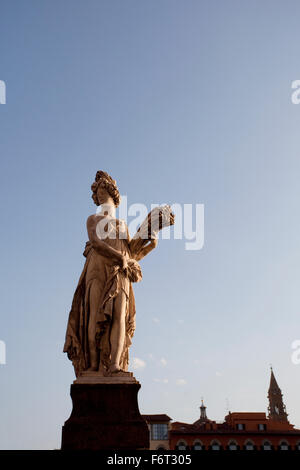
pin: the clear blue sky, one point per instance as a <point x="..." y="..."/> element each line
<point x="180" y="101"/>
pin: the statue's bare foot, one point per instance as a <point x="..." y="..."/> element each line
<point x="92" y="369"/>
<point x="113" y="369"/>
<point x="117" y="371"/>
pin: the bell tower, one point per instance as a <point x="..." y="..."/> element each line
<point x="277" y="410"/>
<point x="203" y="417"/>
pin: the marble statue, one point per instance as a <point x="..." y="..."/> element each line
<point x="102" y="317"/>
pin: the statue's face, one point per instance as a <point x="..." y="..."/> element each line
<point x="102" y="195"/>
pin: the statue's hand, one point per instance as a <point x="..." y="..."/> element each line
<point x="154" y="243"/>
<point x="147" y="248"/>
<point x="123" y="261"/>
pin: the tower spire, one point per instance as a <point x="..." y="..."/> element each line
<point x="276" y="408"/>
<point x="203" y="416"/>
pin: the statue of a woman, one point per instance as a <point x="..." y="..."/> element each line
<point x="102" y="318"/>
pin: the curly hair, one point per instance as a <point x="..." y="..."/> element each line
<point x="103" y="180"/>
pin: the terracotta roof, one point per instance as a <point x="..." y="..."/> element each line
<point x="247" y="415"/>
<point x="157" y="418"/>
<point x="201" y="422"/>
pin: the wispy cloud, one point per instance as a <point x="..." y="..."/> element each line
<point x="163" y="381"/>
<point x="181" y="382"/>
<point x="156" y="320"/>
<point x="138" y="363"/>
<point x="181" y="342"/>
<point x="163" y="361"/>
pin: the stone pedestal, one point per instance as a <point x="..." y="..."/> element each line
<point x="105" y="415"/>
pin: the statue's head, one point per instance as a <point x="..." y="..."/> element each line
<point x="104" y="187"/>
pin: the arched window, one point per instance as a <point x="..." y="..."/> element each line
<point x="215" y="445"/>
<point x="283" y="445"/>
<point x="267" y="445"/>
<point x="198" y="445"/>
<point x="181" y="445"/>
<point x="160" y="448"/>
<point x="249" y="445"/>
<point x="232" y="445"/>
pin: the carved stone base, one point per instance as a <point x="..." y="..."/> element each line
<point x="96" y="378"/>
<point x="105" y="416"/>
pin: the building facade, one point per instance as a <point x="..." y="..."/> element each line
<point x="250" y="431"/>
<point x="159" y="428"/>
<point x="240" y="430"/>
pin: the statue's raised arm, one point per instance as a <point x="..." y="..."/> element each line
<point x="145" y="239"/>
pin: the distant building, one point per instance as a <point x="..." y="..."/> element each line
<point x="159" y="427"/>
<point x="240" y="430"/>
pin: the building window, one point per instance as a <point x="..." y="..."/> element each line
<point x="181" y="445"/>
<point x="215" y="445"/>
<point x="159" y="432"/>
<point x="197" y="446"/>
<point x="297" y="446"/>
<point x="240" y="427"/>
<point x="262" y="427"/>
<point x="232" y="445"/>
<point x="283" y="445"/>
<point x="249" y="445"/>
<point x="267" y="445"/>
